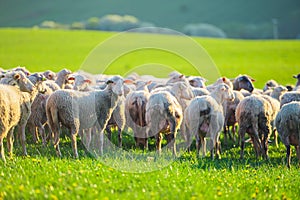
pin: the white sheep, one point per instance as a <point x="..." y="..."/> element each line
<point x="82" y="110"/>
<point x="288" y="126"/>
<point x="11" y="99"/>
<point x="253" y="115"/>
<point x="204" y="117"/>
<point x="163" y="114"/>
<point x="289" y="97"/>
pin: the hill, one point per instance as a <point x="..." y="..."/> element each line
<point x="236" y="17"/>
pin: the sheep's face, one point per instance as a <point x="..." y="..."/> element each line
<point x="197" y="82"/>
<point x="227" y="92"/>
<point x="186" y="91"/>
<point x="244" y="82"/>
<point x="18" y="79"/>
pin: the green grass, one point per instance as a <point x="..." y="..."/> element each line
<point x="39" y="50"/>
<point x="44" y="176"/>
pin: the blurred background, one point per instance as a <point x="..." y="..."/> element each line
<point x="256" y="19"/>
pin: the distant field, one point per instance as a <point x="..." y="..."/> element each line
<point x="42" y="175"/>
<point x="47" y="49"/>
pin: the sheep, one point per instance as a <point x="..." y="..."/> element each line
<point x="298" y="81"/>
<point x="200" y="91"/>
<point x="135" y="110"/>
<point x="50" y="75"/>
<point x="62" y="77"/>
<point x="269" y="85"/>
<point x="197" y="81"/>
<point x="82" y="110"/>
<point x="289" y="97"/>
<point x="163" y="112"/>
<point x="204" y="117"/>
<point x="275" y="104"/>
<point x="82" y="83"/>
<point x="278" y="91"/>
<point x="230" y="120"/>
<point x="22" y="69"/>
<point x="253" y="115"/>
<point x="243" y="82"/>
<point x="11" y="99"/>
<point x="220" y="81"/>
<point x="38" y="117"/>
<point x="288" y="126"/>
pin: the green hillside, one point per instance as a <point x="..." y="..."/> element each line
<point x="54" y="49"/>
<point x="174" y="14"/>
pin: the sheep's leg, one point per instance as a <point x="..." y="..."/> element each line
<point x="101" y="143"/>
<point x="41" y="130"/>
<point x="2" y="149"/>
<point x="288" y="155"/>
<point x="188" y="138"/>
<point x="225" y="128"/>
<point x="198" y="143"/>
<point x="172" y="136"/>
<point x="275" y="133"/>
<point x="74" y="133"/>
<point x="242" y="142"/>
<point x="233" y="130"/>
<point x="88" y="138"/>
<point x="213" y="146"/>
<point x="298" y="153"/>
<point x="265" y="141"/>
<point x="218" y="147"/>
<point x="56" y="134"/>
<point x="256" y="147"/>
<point x="120" y="137"/>
<point x="203" y="143"/>
<point x="158" y="142"/>
<point x="23" y="138"/>
<point x="10" y="142"/>
<point x="108" y="130"/>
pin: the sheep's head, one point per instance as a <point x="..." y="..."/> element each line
<point x="226" y="92"/>
<point x="197" y="82"/>
<point x="18" y="79"/>
<point x="185" y="90"/>
<point x="244" y="82"/>
<point x="117" y="84"/>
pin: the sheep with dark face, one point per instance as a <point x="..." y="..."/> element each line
<point x="270" y="84"/>
<point x="12" y="100"/>
<point x="253" y="115"/>
<point x="288" y="126"/>
<point x="82" y="110"/>
<point x="243" y="82"/>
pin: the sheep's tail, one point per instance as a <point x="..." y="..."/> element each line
<point x="140" y="104"/>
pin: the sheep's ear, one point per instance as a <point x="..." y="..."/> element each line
<point x="191" y="82"/>
<point x="2" y="76"/>
<point x="253" y="80"/>
<point x="224" y="79"/>
<point x="88" y="81"/>
<point x="127" y="81"/>
<point x="71" y="78"/>
<point x="181" y="76"/>
<point x="109" y="82"/>
<point x="294" y="76"/>
<point x="149" y="82"/>
<point x="17" y="76"/>
<point x="50" y="76"/>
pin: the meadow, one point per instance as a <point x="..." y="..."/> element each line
<point x="42" y="175"/>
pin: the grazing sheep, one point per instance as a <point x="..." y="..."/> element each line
<point x="289" y="97"/>
<point x="163" y="114"/>
<point x="135" y="110"/>
<point x="288" y="126"/>
<point x="243" y="82"/>
<point x="253" y="115"/>
<point x="204" y="117"/>
<point x="82" y="110"/>
<point x="230" y="120"/>
<point x="11" y="101"/>
<point x="270" y="84"/>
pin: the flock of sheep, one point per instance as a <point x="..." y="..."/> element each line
<point x="89" y="104"/>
